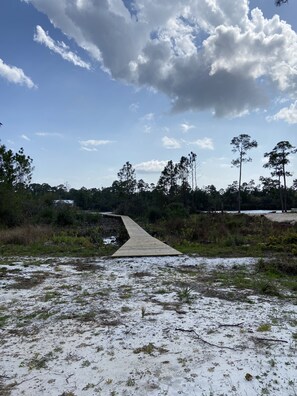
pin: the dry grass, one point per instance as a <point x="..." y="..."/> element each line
<point x="25" y="235"/>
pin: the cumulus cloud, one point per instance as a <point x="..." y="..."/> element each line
<point x="91" y="145"/>
<point x="15" y="75"/>
<point x="185" y="127"/>
<point x="213" y="55"/>
<point x="205" y="143"/>
<point x="60" y="48"/>
<point x="287" y="114"/>
<point x="153" y="166"/>
<point x="171" y="143"/>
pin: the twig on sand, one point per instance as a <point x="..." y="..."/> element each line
<point x="204" y="341"/>
<point x="230" y="325"/>
<point x="69" y="376"/>
<point x="268" y="339"/>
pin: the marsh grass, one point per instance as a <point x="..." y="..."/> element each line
<point x="37" y="240"/>
<point x="222" y="234"/>
<point x="25" y="235"/>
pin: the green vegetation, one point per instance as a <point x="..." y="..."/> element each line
<point x="84" y="237"/>
<point x="37" y="219"/>
<point x="216" y="234"/>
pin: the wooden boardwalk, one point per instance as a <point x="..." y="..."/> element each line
<point x="142" y="244"/>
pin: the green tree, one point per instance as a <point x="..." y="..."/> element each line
<point x="278" y="159"/>
<point x="193" y="169"/>
<point x="127" y="180"/>
<point x="15" y="168"/>
<point x="241" y="145"/>
<point x="15" y="175"/>
<point x="167" y="182"/>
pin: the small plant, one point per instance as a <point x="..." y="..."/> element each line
<point x="268" y="288"/>
<point x="125" y="309"/>
<point x="39" y="362"/>
<point x="130" y="382"/>
<point x="3" y="320"/>
<point x="185" y="295"/>
<point x="143" y="311"/>
<point x="264" y="327"/>
<point x="149" y="348"/>
<point x="248" y="377"/>
<point x="86" y="363"/>
<point x="272" y="362"/>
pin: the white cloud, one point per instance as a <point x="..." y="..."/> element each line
<point x="147" y="129"/>
<point x="49" y="134"/>
<point x="171" y="143"/>
<point x="153" y="166"/>
<point x="205" y="143"/>
<point x="287" y="114"/>
<point x="134" y="107"/>
<point x="215" y="55"/>
<point x="15" y="75"/>
<point x="91" y="145"/>
<point x="60" y="48"/>
<point x="148" y="117"/>
<point x="185" y="127"/>
<point x="25" y="137"/>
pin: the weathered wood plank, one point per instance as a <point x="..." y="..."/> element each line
<point x="141" y="243"/>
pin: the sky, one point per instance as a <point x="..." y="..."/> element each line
<point x="86" y="85"/>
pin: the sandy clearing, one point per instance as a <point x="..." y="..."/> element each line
<point x="279" y="217"/>
<point x="117" y="327"/>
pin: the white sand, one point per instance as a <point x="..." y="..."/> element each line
<point x="89" y="331"/>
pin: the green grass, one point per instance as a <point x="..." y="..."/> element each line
<point x="226" y="235"/>
<point x="207" y="234"/>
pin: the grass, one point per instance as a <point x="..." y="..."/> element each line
<point x="47" y="240"/>
<point x="208" y="234"/>
<point x="226" y="235"/>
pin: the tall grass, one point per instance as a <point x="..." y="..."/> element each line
<point x="25" y="235"/>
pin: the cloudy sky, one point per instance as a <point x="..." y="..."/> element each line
<point x="86" y="85"/>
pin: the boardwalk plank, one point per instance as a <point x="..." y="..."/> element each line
<point x="141" y="243"/>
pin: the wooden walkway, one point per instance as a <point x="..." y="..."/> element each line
<point x="141" y="244"/>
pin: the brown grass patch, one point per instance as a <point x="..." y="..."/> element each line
<point x="25" y="235"/>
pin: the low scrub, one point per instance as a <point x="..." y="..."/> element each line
<point x="278" y="266"/>
<point x="226" y="234"/>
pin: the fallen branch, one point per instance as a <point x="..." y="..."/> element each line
<point x="204" y="341"/>
<point x="268" y="339"/>
<point x="69" y="376"/>
<point x="230" y="325"/>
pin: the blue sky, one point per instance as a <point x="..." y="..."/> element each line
<point x="87" y="85"/>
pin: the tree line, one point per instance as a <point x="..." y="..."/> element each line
<point x="175" y="193"/>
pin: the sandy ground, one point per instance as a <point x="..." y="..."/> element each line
<point x="150" y="326"/>
<point x="282" y="217"/>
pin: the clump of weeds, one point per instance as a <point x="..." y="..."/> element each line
<point x="185" y="295"/>
<point x="149" y="349"/>
<point x="264" y="327"/>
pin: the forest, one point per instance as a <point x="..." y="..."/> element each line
<point x="175" y="194"/>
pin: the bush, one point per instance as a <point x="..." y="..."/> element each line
<point x="65" y="217"/>
<point x="281" y="265"/>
